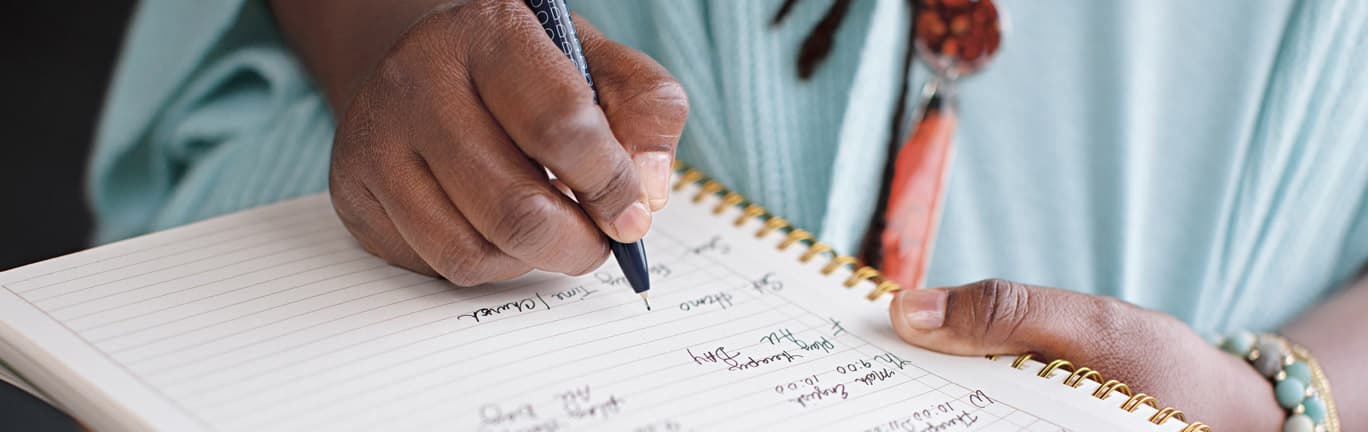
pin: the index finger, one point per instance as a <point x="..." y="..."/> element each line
<point x="542" y="101"/>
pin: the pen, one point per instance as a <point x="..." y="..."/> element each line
<point x="555" y="19"/>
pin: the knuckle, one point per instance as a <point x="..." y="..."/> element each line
<point x="525" y="220"/>
<point x="565" y="134"/>
<point x="663" y="96"/>
<point x="365" y="222"/>
<point x="399" y="174"/>
<point x="594" y="258"/>
<point x="663" y="105"/>
<point x="348" y="198"/>
<point x="434" y="42"/>
<point x="357" y="209"/>
<point x="1110" y="319"/>
<point x="1115" y="329"/>
<point x="614" y="191"/>
<point x="484" y="25"/>
<point x="394" y="77"/>
<point x="408" y="259"/>
<point x="338" y="174"/>
<point x="463" y="264"/>
<point x="356" y="134"/>
<point x="671" y="95"/>
<point x="1002" y="307"/>
<point x="361" y="232"/>
<point x="496" y="11"/>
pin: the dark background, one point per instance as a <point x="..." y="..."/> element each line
<point x="56" y="66"/>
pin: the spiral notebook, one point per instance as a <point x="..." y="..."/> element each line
<point x="274" y="319"/>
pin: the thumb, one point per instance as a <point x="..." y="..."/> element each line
<point x="1003" y="317"/>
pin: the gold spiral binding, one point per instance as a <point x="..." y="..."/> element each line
<point x="1056" y="364"/>
<point x="709" y="188"/>
<point x="729" y="200"/>
<point x="750" y="212"/>
<point x="861" y="273"/>
<point x="1196" y="427"/>
<point x="817" y="248"/>
<point x="837" y="262"/>
<point x="1105" y="388"/>
<point x="689" y="176"/>
<point x="1163" y="415"/>
<point x="792" y="235"/>
<point x="1108" y="387"/>
<point x="1130" y="405"/>
<point x="773" y="223"/>
<point x="1081" y="374"/>
<point x="884" y="287"/>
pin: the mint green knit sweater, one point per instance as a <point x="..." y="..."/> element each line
<point x="1208" y="159"/>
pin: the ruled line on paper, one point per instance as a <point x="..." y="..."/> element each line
<point x="321" y="338"/>
<point x="74" y="319"/>
<point x="202" y="342"/>
<point x="192" y="242"/>
<point x="160" y="324"/>
<point x="59" y="303"/>
<point x="269" y="238"/>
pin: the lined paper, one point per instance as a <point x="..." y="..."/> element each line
<point x="274" y="319"/>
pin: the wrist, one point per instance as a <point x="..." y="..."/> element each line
<point x="1248" y="399"/>
<point x="342" y="41"/>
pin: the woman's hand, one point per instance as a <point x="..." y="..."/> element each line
<point x="437" y="161"/>
<point x="1150" y="351"/>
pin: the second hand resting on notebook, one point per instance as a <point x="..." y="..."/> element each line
<point x="442" y="133"/>
<point x="1146" y="349"/>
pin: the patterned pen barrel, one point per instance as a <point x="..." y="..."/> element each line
<point x="554" y="17"/>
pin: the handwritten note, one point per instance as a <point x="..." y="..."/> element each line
<point x="276" y="320"/>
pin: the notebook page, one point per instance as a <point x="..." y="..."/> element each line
<point x="274" y="319"/>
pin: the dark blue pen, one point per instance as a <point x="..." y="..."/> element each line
<point x="555" y="19"/>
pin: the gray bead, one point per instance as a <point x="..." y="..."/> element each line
<point x="1270" y="358"/>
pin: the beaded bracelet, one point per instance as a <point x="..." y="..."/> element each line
<point x="1298" y="382"/>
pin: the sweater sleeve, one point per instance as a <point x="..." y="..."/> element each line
<point x="208" y="113"/>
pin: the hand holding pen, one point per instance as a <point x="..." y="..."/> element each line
<point x="438" y="160"/>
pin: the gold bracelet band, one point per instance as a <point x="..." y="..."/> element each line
<point x="1319" y="383"/>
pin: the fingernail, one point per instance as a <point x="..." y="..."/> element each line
<point x="632" y="223"/>
<point x="922" y="309"/>
<point x="654" y="169"/>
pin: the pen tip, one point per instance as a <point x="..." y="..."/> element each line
<point x="644" y="300"/>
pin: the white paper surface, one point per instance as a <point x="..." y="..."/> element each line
<point x="274" y="319"/>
